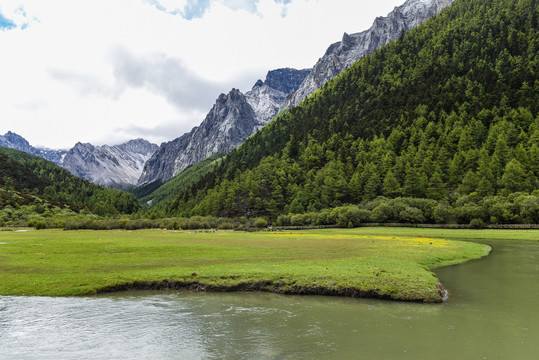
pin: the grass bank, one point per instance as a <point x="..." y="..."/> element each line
<point x="455" y="234"/>
<point x="385" y="263"/>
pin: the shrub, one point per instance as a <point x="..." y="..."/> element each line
<point x="364" y="216"/>
<point x="40" y="225"/>
<point x="411" y="215"/>
<point x="382" y="213"/>
<point x="467" y="212"/>
<point x="260" y="223"/>
<point x="338" y="217"/>
<point x="59" y="224"/>
<point x="297" y="220"/>
<point x="323" y="217"/>
<point x="284" y="220"/>
<point x="477" y="224"/>
<point x="444" y="214"/>
<point x="225" y="225"/>
<point x="173" y="225"/>
<point x="529" y="209"/>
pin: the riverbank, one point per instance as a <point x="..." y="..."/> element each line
<point x="346" y="262"/>
<point x="269" y="286"/>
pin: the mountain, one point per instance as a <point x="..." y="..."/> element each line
<point x="343" y="54"/>
<point x="17" y="142"/>
<point x="234" y="117"/>
<point x="231" y="121"/>
<point x="156" y="195"/>
<point x="439" y="126"/>
<point x="30" y="180"/>
<point x="118" y="166"/>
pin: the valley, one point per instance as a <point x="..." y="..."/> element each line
<point x="395" y="131"/>
<point x="403" y="166"/>
<point x="330" y="262"/>
<point x="382" y="204"/>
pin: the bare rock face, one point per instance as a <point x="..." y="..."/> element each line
<point x="352" y="48"/>
<point x="234" y="117"/>
<point x="266" y="97"/>
<point x="227" y="125"/>
<point x="230" y="120"/>
<point x="118" y="166"/>
<point x="15" y="141"/>
<point x="161" y="165"/>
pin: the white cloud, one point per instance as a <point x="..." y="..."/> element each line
<point x="101" y="71"/>
<point x="164" y="76"/>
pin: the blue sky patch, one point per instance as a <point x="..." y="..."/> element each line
<point x="196" y="8"/>
<point x="6" y="23"/>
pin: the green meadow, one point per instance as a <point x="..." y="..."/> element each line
<point x="393" y="263"/>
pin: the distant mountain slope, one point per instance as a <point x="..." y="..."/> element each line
<point x="18" y="186"/>
<point x="157" y="195"/>
<point x="38" y="181"/>
<point x="234" y="117"/>
<point x="17" y="176"/>
<point x="446" y="116"/>
<point x="17" y="142"/>
<point x="343" y="54"/>
<point x="118" y="166"/>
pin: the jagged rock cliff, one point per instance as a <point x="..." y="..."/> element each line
<point x="161" y="165"/>
<point x="341" y="55"/>
<point x="233" y="118"/>
<point x="14" y="141"/>
<point x="118" y="166"/>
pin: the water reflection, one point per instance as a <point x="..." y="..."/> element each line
<point x="491" y="314"/>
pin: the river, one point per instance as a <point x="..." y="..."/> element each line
<point x="492" y="313"/>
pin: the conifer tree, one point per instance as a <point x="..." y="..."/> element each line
<point x="436" y="188"/>
<point x="513" y="177"/>
<point x="391" y="186"/>
<point x="412" y="183"/>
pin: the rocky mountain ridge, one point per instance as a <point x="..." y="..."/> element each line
<point x="15" y="141"/>
<point x="234" y="117"/>
<point x="118" y="166"/>
<point x="341" y="55"/>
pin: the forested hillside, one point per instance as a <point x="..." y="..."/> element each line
<point x="156" y="195"/>
<point x="441" y="125"/>
<point x="30" y="180"/>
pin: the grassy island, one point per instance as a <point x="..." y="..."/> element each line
<point x="349" y="262"/>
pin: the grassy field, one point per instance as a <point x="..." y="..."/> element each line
<point x="389" y="262"/>
<point x="456" y="234"/>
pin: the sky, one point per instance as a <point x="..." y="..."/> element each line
<point x="107" y="71"/>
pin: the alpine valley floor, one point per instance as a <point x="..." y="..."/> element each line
<point x="349" y="262"/>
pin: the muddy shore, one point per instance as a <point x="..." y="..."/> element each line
<point x="265" y="286"/>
